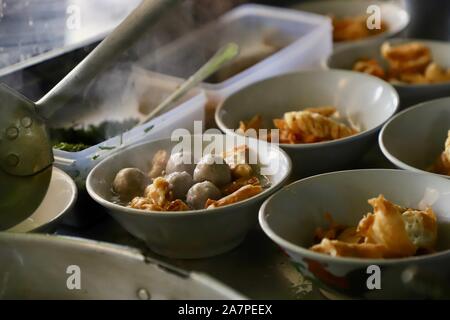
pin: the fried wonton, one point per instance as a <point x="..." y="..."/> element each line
<point x="314" y="124"/>
<point x="410" y="62"/>
<point x="442" y="164"/>
<point x="391" y="231"/>
<point x="158" y="198"/>
<point x="241" y="194"/>
<point x="354" y="28"/>
<point x="310" y="125"/>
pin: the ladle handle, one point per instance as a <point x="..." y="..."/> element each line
<point x="122" y="38"/>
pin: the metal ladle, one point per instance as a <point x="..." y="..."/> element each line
<point x="25" y="151"/>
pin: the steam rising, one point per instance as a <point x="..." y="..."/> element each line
<point x="126" y="91"/>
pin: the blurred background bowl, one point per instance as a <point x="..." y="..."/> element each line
<point x="365" y="100"/>
<point x="396" y="17"/>
<point x="414" y="138"/>
<point x="291" y="216"/>
<point x="410" y="94"/>
<point x="188" y="234"/>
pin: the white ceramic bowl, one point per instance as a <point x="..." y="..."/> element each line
<point x="415" y="138"/>
<point x="291" y="216"/>
<point x="189" y="234"/>
<point x="410" y="94"/>
<point x="395" y="16"/>
<point x="366" y="100"/>
<point x="59" y="201"/>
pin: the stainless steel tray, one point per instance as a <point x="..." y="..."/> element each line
<point x="104" y="271"/>
<point x="32" y="32"/>
<point x="257" y="269"/>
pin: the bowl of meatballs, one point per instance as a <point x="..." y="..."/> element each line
<point x="193" y="201"/>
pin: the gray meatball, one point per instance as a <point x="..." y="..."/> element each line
<point x="212" y="168"/>
<point x="177" y="163"/>
<point x="130" y="183"/>
<point x="180" y="183"/>
<point x="200" y="192"/>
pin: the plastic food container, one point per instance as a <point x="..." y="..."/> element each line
<point x="115" y="100"/>
<point x="282" y="40"/>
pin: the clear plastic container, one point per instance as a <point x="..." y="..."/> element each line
<point x="282" y="40"/>
<point x="142" y="92"/>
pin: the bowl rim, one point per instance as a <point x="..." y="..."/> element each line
<point x="384" y="35"/>
<point x="304" y="252"/>
<point x="168" y="215"/>
<point x="378" y="43"/>
<point x="357" y="136"/>
<point x="394" y="160"/>
<point x="70" y="203"/>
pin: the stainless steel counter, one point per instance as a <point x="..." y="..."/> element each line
<point x="34" y="27"/>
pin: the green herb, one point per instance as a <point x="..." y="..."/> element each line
<point x="70" y="147"/>
<point x="146" y="130"/>
<point x="95" y="157"/>
<point x="106" y="148"/>
<point x="90" y="135"/>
